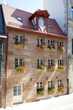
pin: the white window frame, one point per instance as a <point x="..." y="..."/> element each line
<point x="17" y="87"/>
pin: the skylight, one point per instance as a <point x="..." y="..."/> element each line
<point x="19" y="19"/>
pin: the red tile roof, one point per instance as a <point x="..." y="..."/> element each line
<point x="20" y="19"/>
<point x="40" y="13"/>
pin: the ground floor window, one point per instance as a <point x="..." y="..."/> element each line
<point x="17" y="90"/>
<point x="50" y="86"/>
<point x="40" y="88"/>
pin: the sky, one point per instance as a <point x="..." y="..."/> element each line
<point x="28" y="5"/>
<point x="55" y="7"/>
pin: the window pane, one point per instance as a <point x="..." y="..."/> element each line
<point x="19" y="90"/>
<point x="16" y="63"/>
<point x="16" y="40"/>
<point x="15" y="91"/>
<point x="21" y="62"/>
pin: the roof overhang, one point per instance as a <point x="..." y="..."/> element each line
<point x="60" y="36"/>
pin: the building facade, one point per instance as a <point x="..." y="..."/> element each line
<point x="36" y="62"/>
<point x="70" y="43"/>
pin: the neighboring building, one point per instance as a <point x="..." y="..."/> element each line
<point x="57" y="10"/>
<point x="70" y="43"/>
<point x="3" y="42"/>
<point x="36" y="63"/>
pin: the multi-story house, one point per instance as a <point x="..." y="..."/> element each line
<point x="36" y="56"/>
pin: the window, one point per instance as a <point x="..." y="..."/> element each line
<point x="20" y="19"/>
<point x="1" y="55"/>
<point x="51" y="63"/>
<point x="17" y="90"/>
<point x="19" y="39"/>
<point x="18" y="62"/>
<point x="0" y="68"/>
<point x="60" y="63"/>
<point x="39" y="85"/>
<point x="60" y="84"/>
<point x="50" y="84"/>
<point x="60" y="44"/>
<point x="51" y="44"/>
<point x="72" y="12"/>
<point x="1" y="51"/>
<point x="72" y="46"/>
<point x="40" y="63"/>
<point x="40" y="88"/>
<point x="40" y="42"/>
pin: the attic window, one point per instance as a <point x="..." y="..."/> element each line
<point x="19" y="19"/>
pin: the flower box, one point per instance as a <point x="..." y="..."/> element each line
<point x="61" y="68"/>
<point x="20" y="69"/>
<point x="51" y="90"/>
<point x="61" y="49"/>
<point x="19" y="45"/>
<point x="40" y="91"/>
<point x="51" y="69"/>
<point x="60" y="89"/>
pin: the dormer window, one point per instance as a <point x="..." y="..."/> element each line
<point x="41" y="24"/>
<point x="39" y="20"/>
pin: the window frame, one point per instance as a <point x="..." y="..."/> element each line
<point x="17" y="90"/>
<point x="19" y="39"/>
<point x="20" y="62"/>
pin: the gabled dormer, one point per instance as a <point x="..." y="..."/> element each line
<point x="39" y="20"/>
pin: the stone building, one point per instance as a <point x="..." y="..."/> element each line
<point x="36" y="56"/>
<point x="70" y="43"/>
